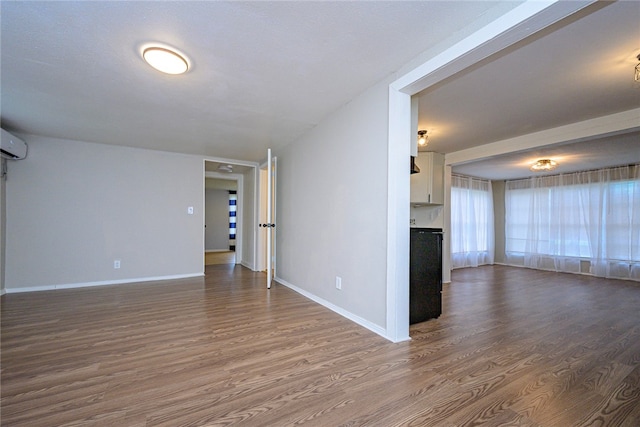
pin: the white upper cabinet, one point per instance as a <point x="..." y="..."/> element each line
<point x="427" y="186"/>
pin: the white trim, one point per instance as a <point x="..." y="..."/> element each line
<point x="256" y="219"/>
<point x="2" y="292"/>
<point x="625" y="121"/>
<point x="231" y="161"/>
<point x="101" y="283"/>
<point x="512" y="27"/>
<point x="220" y="175"/>
<point x="239" y="232"/>
<point x="239" y="179"/>
<point x="269" y="218"/>
<point x="580" y="273"/>
<point x="446" y="241"/>
<point x="342" y="312"/>
<point x="398" y="213"/>
<point x="261" y="217"/>
<point x="262" y="204"/>
<point x="204" y="210"/>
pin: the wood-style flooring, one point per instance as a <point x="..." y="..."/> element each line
<point x="219" y="257"/>
<point x="514" y="347"/>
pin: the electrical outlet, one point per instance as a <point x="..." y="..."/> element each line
<point x="412" y="221"/>
<point x="116" y="263"/>
<point x="338" y="282"/>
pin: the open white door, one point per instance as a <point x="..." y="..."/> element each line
<point x="270" y="224"/>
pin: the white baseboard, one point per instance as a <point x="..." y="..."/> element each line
<point x="100" y="283"/>
<point x="246" y="264"/>
<point x="2" y="292"/>
<point x="344" y="313"/>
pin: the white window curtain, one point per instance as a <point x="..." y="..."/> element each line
<point x="472" y="234"/>
<point x="563" y="222"/>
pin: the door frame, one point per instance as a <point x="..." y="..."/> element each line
<point x="242" y="214"/>
<point x="261" y="240"/>
<point x="262" y="205"/>
<point x="239" y="206"/>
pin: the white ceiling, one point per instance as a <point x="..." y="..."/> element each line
<point x="225" y="167"/>
<point x="263" y="73"/>
<point x="579" y="69"/>
<point x="597" y="153"/>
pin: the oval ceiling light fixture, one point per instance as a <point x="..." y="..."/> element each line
<point x="165" y="60"/>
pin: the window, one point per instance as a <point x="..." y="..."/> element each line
<point x="472" y="234"/>
<point x="556" y="222"/>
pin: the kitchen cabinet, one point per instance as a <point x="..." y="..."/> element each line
<point x="425" y="274"/>
<point x="427" y="186"/>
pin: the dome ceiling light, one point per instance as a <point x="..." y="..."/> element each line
<point x="165" y="60"/>
<point x="543" y="165"/>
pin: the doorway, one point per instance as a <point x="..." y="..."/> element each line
<point x="499" y="35"/>
<point x="220" y="201"/>
<point x="224" y="212"/>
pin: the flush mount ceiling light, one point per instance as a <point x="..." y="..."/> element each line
<point x="225" y="168"/>
<point x="423" y="138"/>
<point x="165" y="60"/>
<point x="543" y="165"/>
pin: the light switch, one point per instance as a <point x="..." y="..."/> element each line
<point x="190" y="210"/>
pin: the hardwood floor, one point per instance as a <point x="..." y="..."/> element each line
<point x="514" y="347"/>
<point x="219" y="257"/>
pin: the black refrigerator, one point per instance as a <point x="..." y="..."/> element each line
<point x="425" y="274"/>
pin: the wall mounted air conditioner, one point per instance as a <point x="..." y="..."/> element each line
<point x="12" y="147"/>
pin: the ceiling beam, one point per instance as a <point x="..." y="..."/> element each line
<point x="627" y="121"/>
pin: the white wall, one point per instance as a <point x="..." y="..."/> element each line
<point x="75" y="207"/>
<point x="3" y="232"/>
<point x="331" y="210"/>
<point x="216" y="236"/>
<point x="499" y="213"/>
<point x="247" y="211"/>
